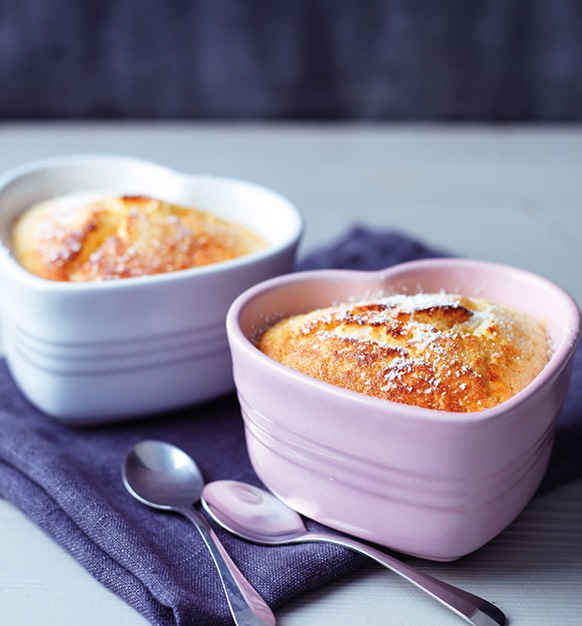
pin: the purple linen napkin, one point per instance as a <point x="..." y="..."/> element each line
<point x="67" y="480"/>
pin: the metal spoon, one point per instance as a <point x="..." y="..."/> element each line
<point x="164" y="477"/>
<point x="258" y="516"/>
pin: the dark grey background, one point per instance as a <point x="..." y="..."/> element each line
<point x="492" y="60"/>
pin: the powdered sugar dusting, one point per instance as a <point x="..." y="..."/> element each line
<point x="436" y="350"/>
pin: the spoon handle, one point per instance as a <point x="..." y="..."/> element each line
<point x="471" y="608"/>
<point x="246" y="605"/>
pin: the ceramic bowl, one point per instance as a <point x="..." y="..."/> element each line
<point x="103" y="351"/>
<point x="429" y="483"/>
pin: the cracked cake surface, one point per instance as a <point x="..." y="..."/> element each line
<point x="438" y="351"/>
<point x="81" y="238"/>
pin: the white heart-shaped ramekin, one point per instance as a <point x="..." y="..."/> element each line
<point x="104" y="351"/>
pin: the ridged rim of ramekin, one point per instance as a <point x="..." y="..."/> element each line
<point x="107" y="357"/>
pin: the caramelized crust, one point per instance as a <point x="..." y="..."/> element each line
<point x="82" y="238"/>
<point x="437" y="351"/>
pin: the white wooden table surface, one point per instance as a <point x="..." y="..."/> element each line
<point x="506" y="194"/>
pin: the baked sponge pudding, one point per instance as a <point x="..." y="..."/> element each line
<point x="437" y="351"/>
<point x="88" y="238"/>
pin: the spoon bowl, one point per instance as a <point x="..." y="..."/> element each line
<point x="258" y="516"/>
<point x="164" y="477"/>
<point x="252" y="513"/>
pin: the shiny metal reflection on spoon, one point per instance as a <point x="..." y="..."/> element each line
<point x="164" y="477"/>
<point x="258" y="516"/>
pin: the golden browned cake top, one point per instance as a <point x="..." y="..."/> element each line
<point x="86" y="238"/>
<point x="437" y="351"/>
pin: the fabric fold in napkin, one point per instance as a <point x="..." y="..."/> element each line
<point x="68" y="481"/>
